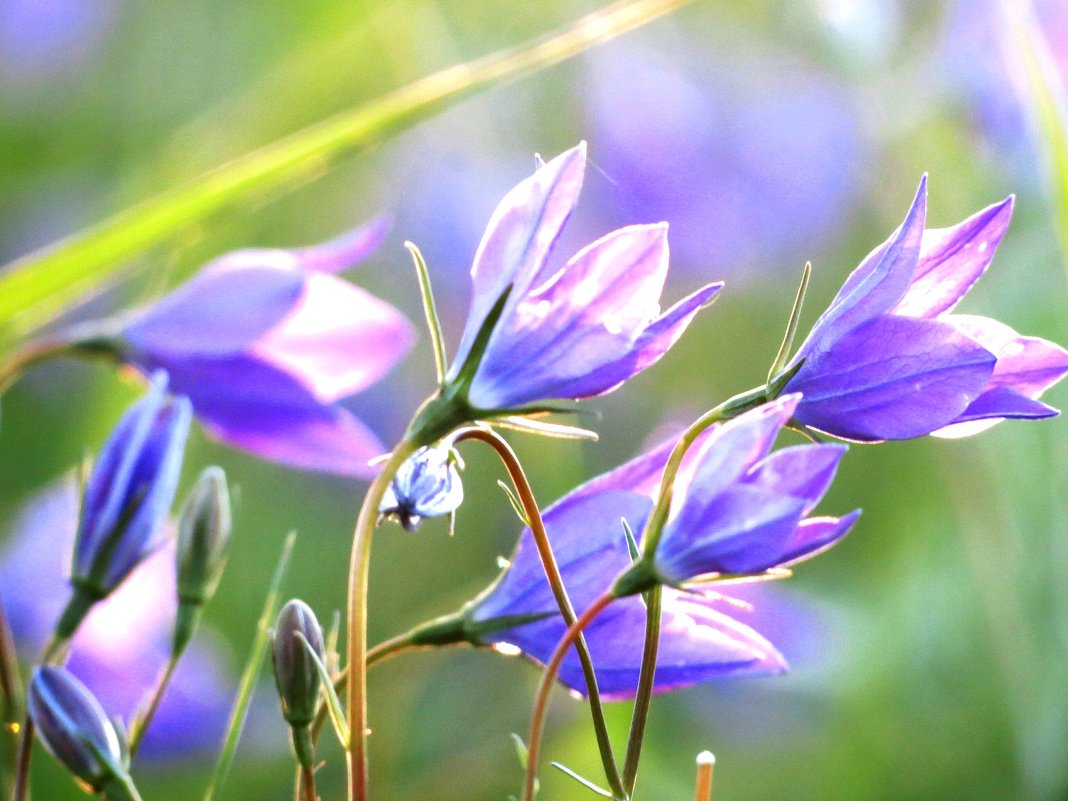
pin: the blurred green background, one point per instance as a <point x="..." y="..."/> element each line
<point x="928" y="650"/>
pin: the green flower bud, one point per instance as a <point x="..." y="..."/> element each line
<point x="295" y="671"/>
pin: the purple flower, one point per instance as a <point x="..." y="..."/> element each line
<point x="745" y="510"/>
<point x="887" y="359"/>
<point x="124" y="642"/>
<point x="130" y="492"/>
<point x="264" y="342"/>
<point x="537" y="331"/>
<point x="699" y="641"/>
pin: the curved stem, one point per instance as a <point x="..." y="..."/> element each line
<point x="90" y="339"/>
<point x="141" y="724"/>
<point x="644" y="693"/>
<point x="541" y="700"/>
<point x="556" y="582"/>
<point x="357" y="620"/>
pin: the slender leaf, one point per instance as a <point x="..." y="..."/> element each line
<point x="36" y="288"/>
<point x="581" y="780"/>
<point x="333" y="703"/>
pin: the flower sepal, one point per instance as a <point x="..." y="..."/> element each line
<point x="639" y="578"/>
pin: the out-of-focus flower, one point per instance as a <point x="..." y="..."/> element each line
<point x="699" y="640"/>
<point x="709" y="135"/>
<point x="536" y="331"/>
<point x="265" y="342"/>
<point x="122" y="645"/>
<point x="127" y="497"/>
<point x="74" y="727"/>
<point x="427" y="485"/>
<point x="887" y="359"/>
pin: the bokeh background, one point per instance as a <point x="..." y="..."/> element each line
<point x="928" y="650"/>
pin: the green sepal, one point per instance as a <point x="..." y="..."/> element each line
<point x="333" y="703"/>
<point x="783" y="356"/>
<point x="639" y="578"/>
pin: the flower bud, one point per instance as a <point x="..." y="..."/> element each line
<point x="127" y="498"/>
<point x="203" y="546"/>
<point x="294" y="668"/>
<point x="426" y="485"/>
<point x="74" y="727"/>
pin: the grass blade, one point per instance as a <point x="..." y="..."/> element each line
<point x="36" y="288"/>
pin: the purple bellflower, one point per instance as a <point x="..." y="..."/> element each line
<point x="427" y="485"/>
<point x="127" y="497"/>
<point x="539" y="331"/>
<point x="265" y="342"/>
<point x="887" y="359"/>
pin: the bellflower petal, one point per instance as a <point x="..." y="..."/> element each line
<point x="257" y="320"/>
<point x="569" y="332"/>
<point x="427" y="485"/>
<point x="888" y="361"/>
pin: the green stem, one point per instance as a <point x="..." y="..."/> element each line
<point x="10" y="699"/>
<point x="141" y="724"/>
<point x="541" y="700"/>
<point x="357" y="619"/>
<point x="556" y="582"/>
<point x="644" y="693"/>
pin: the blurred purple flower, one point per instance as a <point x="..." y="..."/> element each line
<point x="745" y="511"/>
<point x="130" y="491"/>
<point x="39" y="38"/>
<point x="124" y="641"/>
<point x="264" y="342"/>
<point x="563" y="332"/>
<point x="887" y="360"/>
<point x="753" y="155"/>
<point x="698" y="640"/>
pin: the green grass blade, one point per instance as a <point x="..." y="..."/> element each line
<point x="35" y="288"/>
<point x="248" y="676"/>
<point x="1026" y="46"/>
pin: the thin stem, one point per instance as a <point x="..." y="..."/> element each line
<point x="433" y="322"/>
<point x="644" y="694"/>
<point x="541" y="700"/>
<point x="141" y="724"/>
<point x="307" y="773"/>
<point x="10" y="698"/>
<point x="357" y="620"/>
<point x="556" y="582"/>
<point x="703" y="787"/>
<point x="90" y="339"/>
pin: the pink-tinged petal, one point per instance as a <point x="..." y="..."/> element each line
<point x="259" y="408"/>
<point x="1028" y="365"/>
<point x="891" y="378"/>
<point x="877" y="284"/>
<point x="953" y="259"/>
<point x="815" y="535"/>
<point x="744" y="529"/>
<point x="337" y="339"/>
<point x="345" y="251"/>
<point x="519" y="237"/>
<point x="803" y="471"/>
<point x="731" y="450"/>
<point x="222" y="310"/>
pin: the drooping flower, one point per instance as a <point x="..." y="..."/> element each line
<point x="888" y="359"/>
<point x="127" y="497"/>
<point x="428" y="484"/>
<point x="265" y="342"/>
<point x="75" y="728"/>
<point x="537" y="331"/>
<point x="125" y="640"/>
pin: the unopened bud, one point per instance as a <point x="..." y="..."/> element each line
<point x="74" y="727"/>
<point x="295" y="671"/>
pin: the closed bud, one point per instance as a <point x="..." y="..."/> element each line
<point x="127" y="498"/>
<point x="294" y="668"/>
<point x="74" y="727"/>
<point x="426" y="485"/>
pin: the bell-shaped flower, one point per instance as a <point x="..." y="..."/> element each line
<point x="74" y="727"/>
<point x="427" y="485"/>
<point x="888" y="359"/>
<point x="700" y="640"/>
<point x="539" y="331"/>
<point x="127" y="497"/>
<point x="265" y="342"/>
<point x="745" y="510"/>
